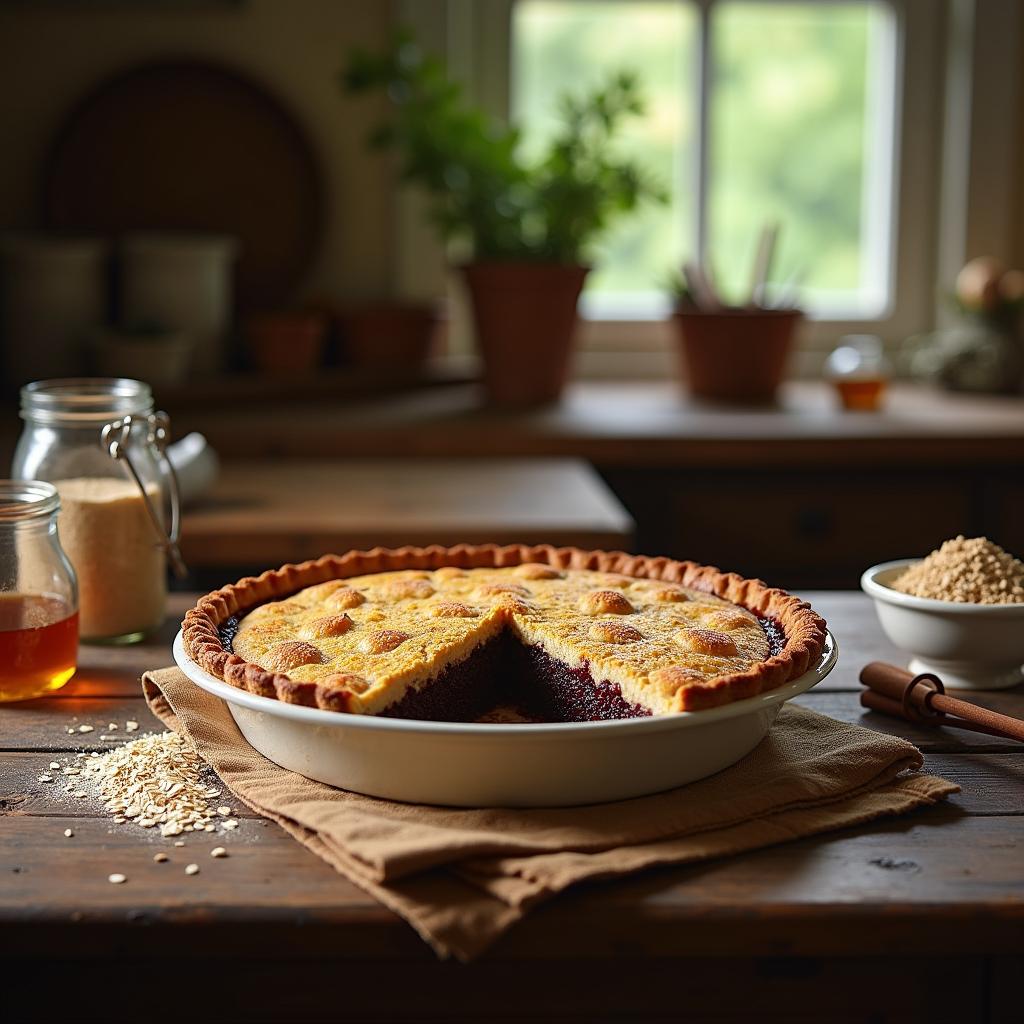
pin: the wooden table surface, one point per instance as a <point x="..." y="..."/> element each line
<point x="270" y="512"/>
<point x="917" y="918"/>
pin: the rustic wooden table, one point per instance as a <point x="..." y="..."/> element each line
<point x="269" y="512"/>
<point x="916" y="919"/>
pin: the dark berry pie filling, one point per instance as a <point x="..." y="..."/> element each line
<point x="505" y="680"/>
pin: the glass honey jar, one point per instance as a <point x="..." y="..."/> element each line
<point x="38" y="594"/>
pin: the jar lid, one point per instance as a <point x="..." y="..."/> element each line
<point x="27" y="499"/>
<point x="84" y="400"/>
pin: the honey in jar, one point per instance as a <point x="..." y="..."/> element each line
<point x="38" y="594"/>
<point x="38" y="645"/>
<point x="860" y="394"/>
<point x="859" y="371"/>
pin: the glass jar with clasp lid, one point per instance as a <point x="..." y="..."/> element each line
<point x="101" y="444"/>
<point x="38" y="596"/>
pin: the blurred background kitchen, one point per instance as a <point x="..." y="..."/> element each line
<point x="790" y="231"/>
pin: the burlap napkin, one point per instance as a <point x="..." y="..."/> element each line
<point x="462" y="877"/>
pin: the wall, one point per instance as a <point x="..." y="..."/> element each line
<point x="50" y="54"/>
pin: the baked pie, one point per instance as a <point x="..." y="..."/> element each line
<point x="555" y="634"/>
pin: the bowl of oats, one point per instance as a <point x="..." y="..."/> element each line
<point x="959" y="612"/>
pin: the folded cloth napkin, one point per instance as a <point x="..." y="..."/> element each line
<point x="462" y="877"/>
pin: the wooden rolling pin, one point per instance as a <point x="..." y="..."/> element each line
<point x="922" y="699"/>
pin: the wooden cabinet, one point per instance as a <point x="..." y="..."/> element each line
<point x="816" y="527"/>
<point x="1007" y="513"/>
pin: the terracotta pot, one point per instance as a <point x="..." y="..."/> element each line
<point x="393" y="335"/>
<point x="286" y="343"/>
<point x="525" y="318"/>
<point x="736" y="355"/>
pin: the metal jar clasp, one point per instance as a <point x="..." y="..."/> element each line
<point x="114" y="439"/>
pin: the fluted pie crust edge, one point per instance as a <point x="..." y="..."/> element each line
<point x="803" y="629"/>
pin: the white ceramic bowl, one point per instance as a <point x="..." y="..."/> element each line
<point x="968" y="646"/>
<point x="461" y="764"/>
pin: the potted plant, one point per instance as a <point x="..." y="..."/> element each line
<point x="286" y="342"/>
<point x="733" y="352"/>
<point x="528" y="226"/>
<point x="389" y="335"/>
<point x="984" y="350"/>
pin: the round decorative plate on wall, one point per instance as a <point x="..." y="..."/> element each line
<point x="184" y="145"/>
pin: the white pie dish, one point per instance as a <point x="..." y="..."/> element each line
<point x="968" y="646"/>
<point x="459" y="764"/>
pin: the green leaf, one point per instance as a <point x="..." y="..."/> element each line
<point x="482" y="190"/>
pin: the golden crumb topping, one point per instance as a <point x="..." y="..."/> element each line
<point x="368" y="639"/>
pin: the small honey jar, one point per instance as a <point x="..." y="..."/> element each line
<point x="38" y="594"/>
<point x="859" y="372"/>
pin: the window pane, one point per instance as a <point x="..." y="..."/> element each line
<point x="564" y="45"/>
<point x="801" y="133"/>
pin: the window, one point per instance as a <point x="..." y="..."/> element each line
<point x="758" y="112"/>
<point x="909" y="169"/>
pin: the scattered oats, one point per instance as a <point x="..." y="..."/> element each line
<point x="180" y="842"/>
<point x="231" y="823"/>
<point x="111" y="726"/>
<point x="93" y="753"/>
<point x="160" y="858"/>
<point x="131" y="726"/>
<point x="72" y="771"/>
<point x="80" y="794"/>
<point x="153" y="780"/>
<point x="207" y="828"/>
<point x="81" y="753"/>
<point x="68" y="833"/>
<point x="86" y="728"/>
<point x="46" y="778"/>
<point x="224" y="812"/>
<point x="192" y="869"/>
<point x="55" y="766"/>
<point x="218" y="851"/>
<point x="71" y="732"/>
<point x="117" y="879"/>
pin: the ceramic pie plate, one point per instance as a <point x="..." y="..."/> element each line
<point x="459" y="764"/>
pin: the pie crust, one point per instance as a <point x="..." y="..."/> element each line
<point x="568" y="604"/>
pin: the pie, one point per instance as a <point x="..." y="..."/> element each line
<point x="547" y="634"/>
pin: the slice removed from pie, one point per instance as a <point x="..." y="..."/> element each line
<point x="568" y="637"/>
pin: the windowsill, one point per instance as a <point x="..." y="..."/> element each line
<point x="629" y="423"/>
<point x="645" y="361"/>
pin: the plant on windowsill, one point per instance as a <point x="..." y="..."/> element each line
<point x="984" y="350"/>
<point x="528" y="226"/>
<point x="734" y="353"/>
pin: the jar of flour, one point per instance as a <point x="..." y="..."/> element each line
<point x="100" y="443"/>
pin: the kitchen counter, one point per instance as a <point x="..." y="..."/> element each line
<point x="268" y="512"/>
<point x="834" y="491"/>
<point x="919" y="918"/>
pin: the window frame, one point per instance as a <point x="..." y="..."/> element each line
<point x="945" y="170"/>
